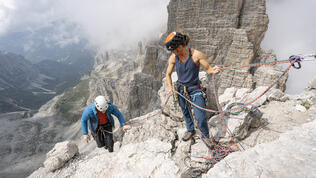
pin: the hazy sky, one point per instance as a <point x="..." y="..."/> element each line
<point x="292" y="30"/>
<point x="113" y="23"/>
<point x="105" y="23"/>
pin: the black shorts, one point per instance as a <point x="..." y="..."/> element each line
<point x="103" y="137"/>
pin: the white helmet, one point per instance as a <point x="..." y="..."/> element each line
<point x="101" y="103"/>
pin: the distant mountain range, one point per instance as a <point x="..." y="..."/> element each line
<point x="58" y="41"/>
<point x="37" y="64"/>
<point x="27" y="86"/>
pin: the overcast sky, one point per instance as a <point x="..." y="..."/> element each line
<point x="113" y="23"/>
<point x="105" y="23"/>
<point x="292" y="30"/>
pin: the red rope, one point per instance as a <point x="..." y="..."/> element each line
<point x="254" y="65"/>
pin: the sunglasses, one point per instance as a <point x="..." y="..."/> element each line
<point x="171" y="46"/>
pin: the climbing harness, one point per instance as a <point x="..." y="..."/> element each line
<point x="241" y="107"/>
<point x="175" y="95"/>
<point x="291" y="60"/>
<point x="220" y="151"/>
<point x="245" y="105"/>
<point x="177" y="84"/>
<point x="202" y="136"/>
<point x="161" y="111"/>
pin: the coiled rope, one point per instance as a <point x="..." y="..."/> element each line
<point x="220" y="151"/>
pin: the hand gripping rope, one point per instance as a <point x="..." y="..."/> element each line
<point x="220" y="151"/>
<point x="291" y="60"/>
<point x="219" y="148"/>
<point x="309" y="57"/>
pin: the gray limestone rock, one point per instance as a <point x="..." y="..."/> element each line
<point x="227" y="96"/>
<point x="292" y="155"/>
<point x="234" y="78"/>
<point x="240" y="93"/>
<point x="152" y="125"/>
<point x="229" y="33"/>
<point x="132" y="85"/>
<point x="254" y="96"/>
<point x="60" y="154"/>
<point x="265" y="75"/>
<point x="182" y="150"/>
<point x="277" y="95"/>
<point x="172" y="107"/>
<point x="144" y="159"/>
<point x="238" y="125"/>
<point x="311" y="84"/>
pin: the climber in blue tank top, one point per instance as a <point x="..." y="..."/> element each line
<point x="187" y="62"/>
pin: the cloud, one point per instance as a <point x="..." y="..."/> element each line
<point x="5" y="7"/>
<point x="105" y="24"/>
<point x="26" y="15"/>
<point x="291" y="28"/>
<point x="119" y="22"/>
<point x="291" y="31"/>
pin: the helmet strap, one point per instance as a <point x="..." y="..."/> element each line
<point x="181" y="52"/>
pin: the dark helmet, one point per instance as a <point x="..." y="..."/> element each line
<point x="174" y="40"/>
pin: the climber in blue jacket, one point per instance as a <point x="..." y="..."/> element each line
<point x="99" y="118"/>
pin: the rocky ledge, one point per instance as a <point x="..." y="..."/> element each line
<point x="279" y="143"/>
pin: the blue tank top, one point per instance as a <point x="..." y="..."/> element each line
<point x="188" y="73"/>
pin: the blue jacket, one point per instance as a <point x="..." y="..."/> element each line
<point x="90" y="116"/>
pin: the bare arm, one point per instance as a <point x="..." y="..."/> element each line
<point x="171" y="63"/>
<point x="202" y="60"/>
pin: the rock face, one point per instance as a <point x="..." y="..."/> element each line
<point x="134" y="93"/>
<point x="292" y="155"/>
<point x="145" y="151"/>
<point x="17" y="75"/>
<point x="57" y="158"/>
<point x="27" y="86"/>
<point x="222" y="29"/>
<point x="229" y="33"/>
<point x="275" y="111"/>
<point x="60" y="154"/>
<point x="24" y="149"/>
<point x="239" y="125"/>
<point x="153" y="146"/>
<point x="16" y="71"/>
<point x="154" y="61"/>
<point x="132" y="87"/>
<point x="311" y="84"/>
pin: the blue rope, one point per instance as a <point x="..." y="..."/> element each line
<point x="238" y="108"/>
<point x="260" y="63"/>
<point x="220" y="110"/>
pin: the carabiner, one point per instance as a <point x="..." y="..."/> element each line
<point x="298" y="65"/>
<point x="296" y="59"/>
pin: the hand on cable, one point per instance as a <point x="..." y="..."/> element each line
<point x="216" y="70"/>
<point x="126" y="127"/>
<point x="86" y="138"/>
